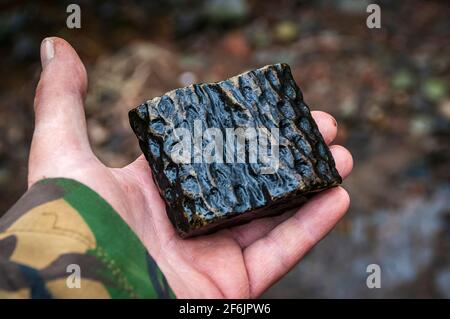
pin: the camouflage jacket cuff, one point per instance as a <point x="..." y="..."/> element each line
<point x="62" y="240"/>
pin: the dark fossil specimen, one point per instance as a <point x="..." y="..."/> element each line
<point x="202" y="197"/>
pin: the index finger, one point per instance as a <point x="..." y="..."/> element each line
<point x="270" y="257"/>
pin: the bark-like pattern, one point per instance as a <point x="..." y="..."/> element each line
<point x="203" y="197"/>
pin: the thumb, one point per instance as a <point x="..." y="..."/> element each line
<point x="60" y="126"/>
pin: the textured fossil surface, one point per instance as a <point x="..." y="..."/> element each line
<point x="203" y="197"/>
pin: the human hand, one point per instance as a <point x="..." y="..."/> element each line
<point x="239" y="262"/>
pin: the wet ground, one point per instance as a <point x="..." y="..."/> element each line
<point x="387" y="88"/>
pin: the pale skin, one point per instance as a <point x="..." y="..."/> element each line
<point x="240" y="262"/>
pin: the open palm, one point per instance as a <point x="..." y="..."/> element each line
<point x="239" y="262"/>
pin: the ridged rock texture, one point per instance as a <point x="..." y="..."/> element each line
<point x="204" y="197"/>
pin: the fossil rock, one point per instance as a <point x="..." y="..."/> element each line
<point x="203" y="196"/>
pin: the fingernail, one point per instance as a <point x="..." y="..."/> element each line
<point x="47" y="52"/>
<point x="334" y="122"/>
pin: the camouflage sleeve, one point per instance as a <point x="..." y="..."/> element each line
<point x="62" y="240"/>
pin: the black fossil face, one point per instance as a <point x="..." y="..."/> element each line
<point x="249" y="148"/>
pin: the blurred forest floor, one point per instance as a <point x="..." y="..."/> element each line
<point x="388" y="89"/>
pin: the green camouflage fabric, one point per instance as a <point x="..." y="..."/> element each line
<point x="62" y="240"/>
